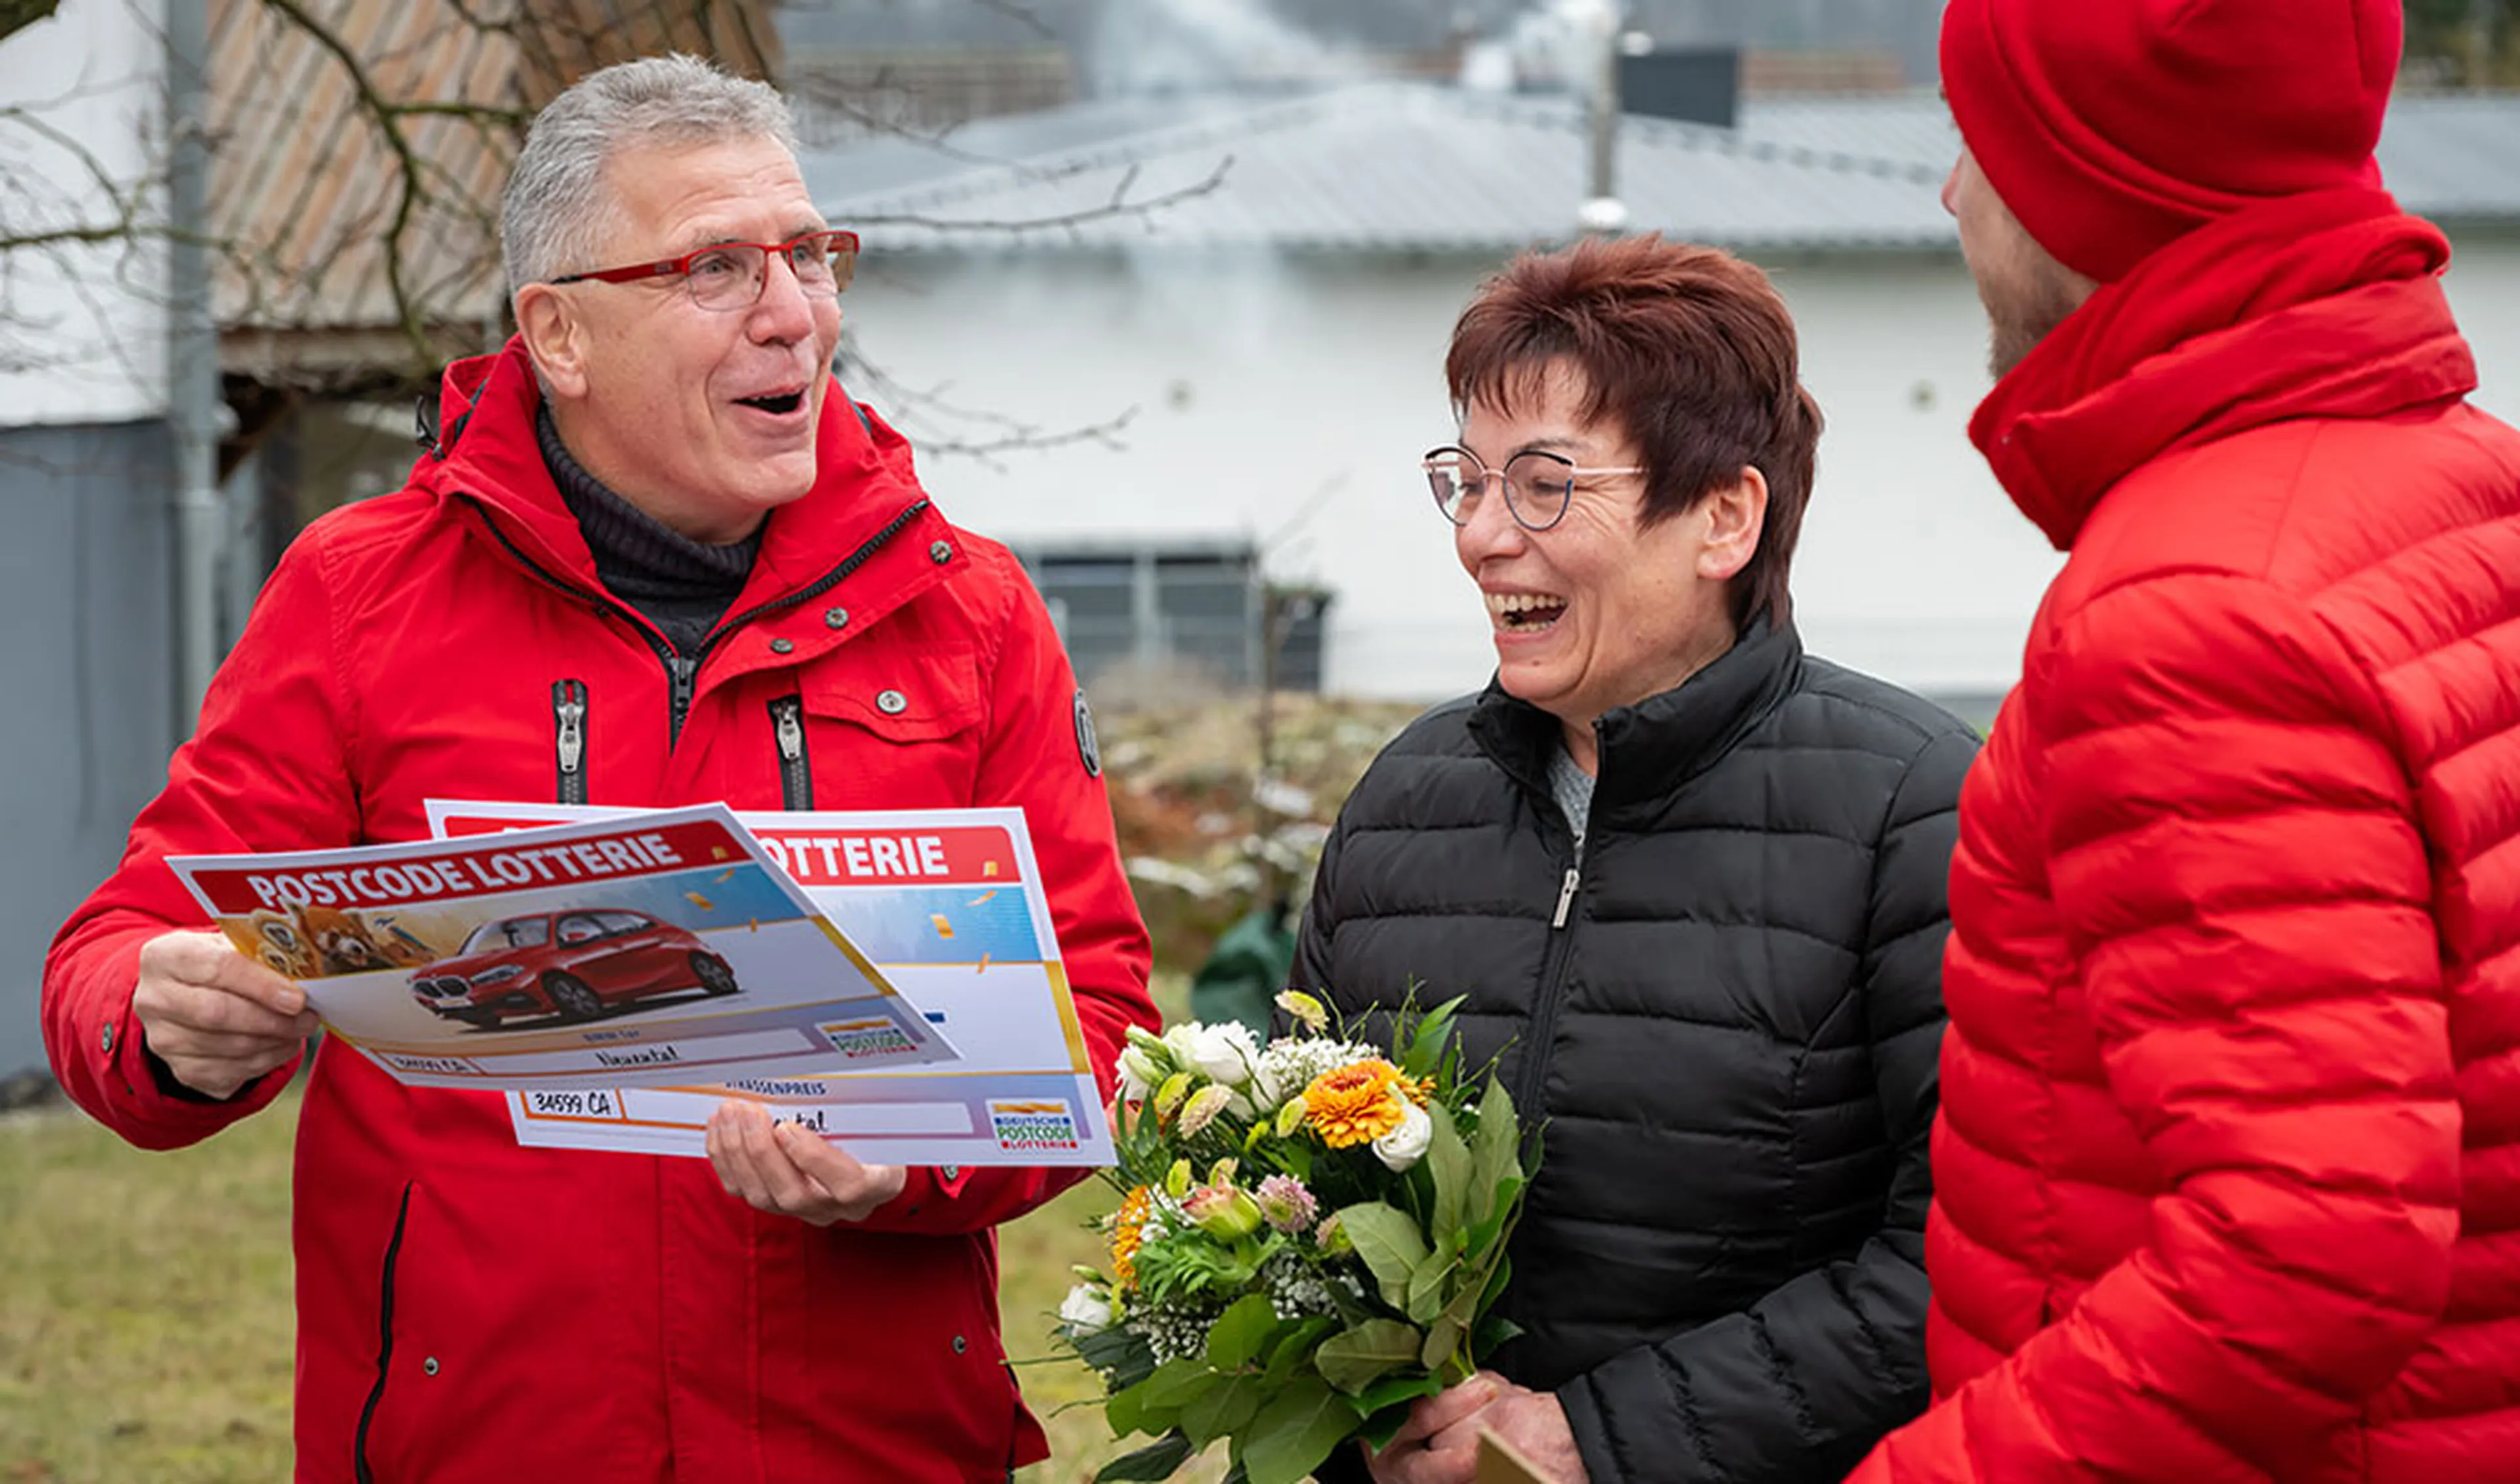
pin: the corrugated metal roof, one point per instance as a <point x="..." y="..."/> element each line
<point x="2456" y="157"/>
<point x="1388" y="166"/>
<point x="1914" y="128"/>
<point x="1403" y="167"/>
<point x="303" y="179"/>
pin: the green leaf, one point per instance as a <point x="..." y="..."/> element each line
<point x="1242" y="1333"/>
<point x="1363" y="1354"/>
<point x="1493" y="1331"/>
<point x="1295" y="1431"/>
<point x="1120" y="1355"/>
<point x="1443" y="1338"/>
<point x="1493" y="1151"/>
<point x="1155" y="1460"/>
<point x="1223" y="1410"/>
<point x="1354" y="1308"/>
<point x="1376" y="1398"/>
<point x="1448" y="1158"/>
<point x="1377" y="1432"/>
<point x="1445" y="1335"/>
<point x="1125" y="1409"/>
<point x="1497" y="1280"/>
<point x="1293" y="1347"/>
<point x="1427" y="1040"/>
<point x="1484" y="1230"/>
<point x="1152" y="1405"/>
<point x="1427" y="1290"/>
<point x="1390" y="1244"/>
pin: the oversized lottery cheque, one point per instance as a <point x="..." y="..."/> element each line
<point x="596" y="955"/>
<point x="950" y="906"/>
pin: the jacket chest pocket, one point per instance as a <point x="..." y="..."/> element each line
<point x="899" y="729"/>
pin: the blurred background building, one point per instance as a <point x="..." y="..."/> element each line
<point x="1159" y="287"/>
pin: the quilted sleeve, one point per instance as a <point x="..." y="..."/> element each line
<point x="1035" y="756"/>
<point x="2237" y="861"/>
<point x="1311" y="970"/>
<point x="1800" y="1383"/>
<point x="264" y="770"/>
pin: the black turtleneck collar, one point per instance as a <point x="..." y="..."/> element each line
<point x="682" y="586"/>
<point x="1649" y="748"/>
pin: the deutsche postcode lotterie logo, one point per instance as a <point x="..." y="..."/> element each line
<point x="1032" y="1125"/>
<point x="856" y="1040"/>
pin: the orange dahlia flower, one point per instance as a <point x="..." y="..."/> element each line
<point x="1356" y="1105"/>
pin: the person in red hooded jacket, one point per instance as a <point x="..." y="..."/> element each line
<point x="2227" y="1176"/>
<point x="651" y="555"/>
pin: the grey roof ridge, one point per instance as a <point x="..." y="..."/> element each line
<point x="1124" y="150"/>
<point x="1277" y="115"/>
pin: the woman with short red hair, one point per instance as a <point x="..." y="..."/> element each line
<point x="1689" y="882"/>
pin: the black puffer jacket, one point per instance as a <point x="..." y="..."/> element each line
<point x="1731" y="1034"/>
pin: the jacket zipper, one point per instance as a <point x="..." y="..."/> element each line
<point x="568" y="727"/>
<point x="384" y="1342"/>
<point x="681" y="671"/>
<point x="1534" y="1080"/>
<point x="680" y="675"/>
<point x="795" y="773"/>
<point x="824" y="584"/>
<point x="1544" y="1009"/>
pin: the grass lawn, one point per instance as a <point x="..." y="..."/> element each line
<point x="144" y="1323"/>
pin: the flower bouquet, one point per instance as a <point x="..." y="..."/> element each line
<point x="1311" y="1236"/>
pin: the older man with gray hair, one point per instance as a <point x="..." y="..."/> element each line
<point x="651" y="555"/>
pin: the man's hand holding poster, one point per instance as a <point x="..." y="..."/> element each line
<point x="591" y="956"/>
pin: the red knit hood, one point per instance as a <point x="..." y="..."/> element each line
<point x="2326" y="304"/>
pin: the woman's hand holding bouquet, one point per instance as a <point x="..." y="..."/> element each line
<point x="1312" y="1236"/>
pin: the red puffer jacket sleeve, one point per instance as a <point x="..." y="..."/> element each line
<point x="2233" y="848"/>
<point x="1035" y="757"/>
<point x="263" y="771"/>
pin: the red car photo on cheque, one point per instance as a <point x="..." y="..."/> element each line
<point x="570" y="964"/>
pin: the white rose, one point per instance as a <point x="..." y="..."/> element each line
<point x="1226" y="1053"/>
<point x="1406" y="1144"/>
<point x="1086" y="1310"/>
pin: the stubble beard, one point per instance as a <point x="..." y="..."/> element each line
<point x="2019" y="317"/>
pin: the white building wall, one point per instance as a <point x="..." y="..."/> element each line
<point x="2484" y="287"/>
<point x="82" y="327"/>
<point x="1283" y="400"/>
<point x="1914" y="564"/>
<point x="1289" y="398"/>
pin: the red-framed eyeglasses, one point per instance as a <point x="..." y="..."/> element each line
<point x="731" y="275"/>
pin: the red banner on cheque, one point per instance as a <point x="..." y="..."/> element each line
<point x="945" y="856"/>
<point x="469" y="868"/>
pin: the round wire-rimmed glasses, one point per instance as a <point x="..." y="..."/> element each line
<point x="731" y="275"/>
<point x="1539" y="484"/>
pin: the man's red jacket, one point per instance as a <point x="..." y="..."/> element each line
<point x="471" y="1310"/>
<point x="2226" y="1180"/>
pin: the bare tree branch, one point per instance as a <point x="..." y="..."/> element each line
<point x="1020" y="13"/>
<point x="327" y="243"/>
<point x="387" y="121"/>
<point x="989" y="433"/>
<point x="17" y="15"/>
<point x="1117" y="205"/>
